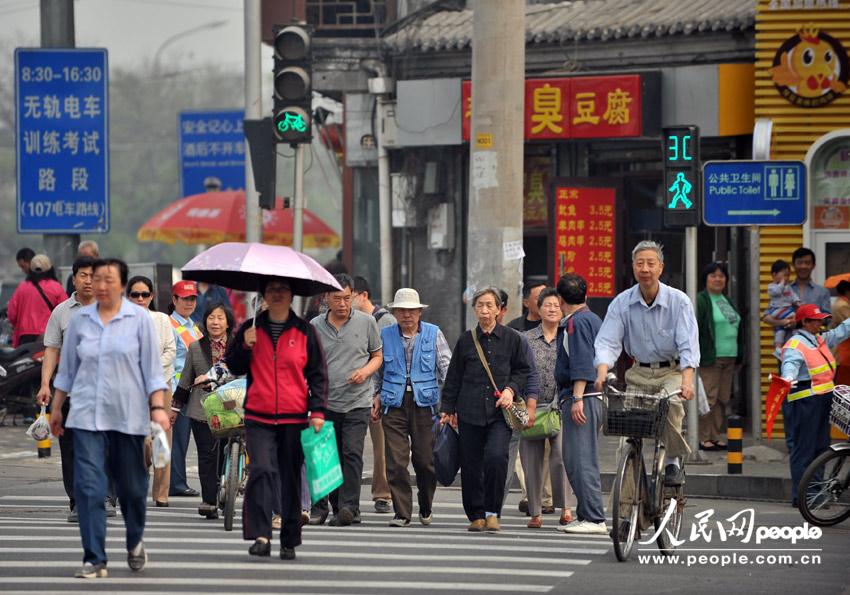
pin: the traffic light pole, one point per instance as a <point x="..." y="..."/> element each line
<point x="253" y="111"/>
<point x="57" y="31"/>
<point x="692" y="406"/>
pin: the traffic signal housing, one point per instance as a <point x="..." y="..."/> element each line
<point x="293" y="85"/>
<point x="682" y="183"/>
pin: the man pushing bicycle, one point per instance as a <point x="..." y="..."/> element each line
<point x="656" y="325"/>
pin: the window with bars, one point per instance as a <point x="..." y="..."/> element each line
<point x="347" y="17"/>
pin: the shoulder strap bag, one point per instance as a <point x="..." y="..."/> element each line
<point x="50" y="305"/>
<point x="515" y="414"/>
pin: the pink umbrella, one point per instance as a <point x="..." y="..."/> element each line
<point x="240" y="265"/>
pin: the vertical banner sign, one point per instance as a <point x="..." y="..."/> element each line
<point x="585" y="232"/>
<point x="212" y="145"/>
<point x="62" y="134"/>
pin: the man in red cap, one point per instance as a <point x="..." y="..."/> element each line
<point x="807" y="358"/>
<point x="184" y="297"/>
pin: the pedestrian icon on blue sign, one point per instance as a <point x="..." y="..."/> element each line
<point x="680" y="189"/>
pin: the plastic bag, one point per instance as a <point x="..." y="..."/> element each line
<point x="702" y="398"/>
<point x="446" y="459"/>
<point x="40" y="428"/>
<point x="160" y="451"/>
<point x="321" y="460"/>
<point x="224" y="406"/>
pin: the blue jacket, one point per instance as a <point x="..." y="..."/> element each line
<point x="580" y="332"/>
<point x="423" y="367"/>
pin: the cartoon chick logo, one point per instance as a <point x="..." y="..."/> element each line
<point x="810" y="69"/>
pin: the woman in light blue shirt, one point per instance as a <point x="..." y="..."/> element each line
<point x="111" y="363"/>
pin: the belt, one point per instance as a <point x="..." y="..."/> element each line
<point x="668" y="364"/>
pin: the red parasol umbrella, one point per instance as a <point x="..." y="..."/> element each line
<point x="214" y="217"/>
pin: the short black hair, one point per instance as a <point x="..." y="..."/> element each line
<point x="572" y="288"/>
<point x="843" y="287"/>
<point x="264" y="282"/>
<point x="25" y="254"/>
<point x="212" y="307"/>
<point x="712" y="268"/>
<point x="344" y="280"/>
<point x="779" y="265"/>
<point x="123" y="270"/>
<point x="139" y="279"/>
<point x="503" y="295"/>
<point x="546" y="293"/>
<point x="361" y="285"/>
<point x="83" y="262"/>
<point x="803" y="252"/>
<point x="528" y="286"/>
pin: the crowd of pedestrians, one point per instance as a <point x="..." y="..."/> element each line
<point x="120" y="364"/>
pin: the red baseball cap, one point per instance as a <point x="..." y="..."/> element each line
<point x="184" y="289"/>
<point x="810" y="312"/>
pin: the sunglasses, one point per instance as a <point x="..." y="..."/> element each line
<point x="140" y="294"/>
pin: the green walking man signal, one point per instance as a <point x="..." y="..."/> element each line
<point x="680" y="189"/>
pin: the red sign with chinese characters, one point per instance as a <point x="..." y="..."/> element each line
<point x="585" y="232"/>
<point x="580" y="107"/>
<point x="535" y="181"/>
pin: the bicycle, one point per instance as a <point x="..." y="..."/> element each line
<point x="639" y="499"/>
<point x="823" y="495"/>
<point x="234" y="474"/>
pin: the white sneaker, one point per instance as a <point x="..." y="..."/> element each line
<point x="426" y="520"/>
<point x="276" y="522"/>
<point x="90" y="570"/>
<point x="585" y="528"/>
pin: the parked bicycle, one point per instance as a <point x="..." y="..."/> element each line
<point x="824" y="490"/>
<point x="641" y="500"/>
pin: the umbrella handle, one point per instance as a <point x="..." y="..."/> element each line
<point x="256" y="309"/>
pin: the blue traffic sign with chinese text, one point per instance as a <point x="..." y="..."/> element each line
<point x="754" y="193"/>
<point x="62" y="125"/>
<point x="212" y="145"/>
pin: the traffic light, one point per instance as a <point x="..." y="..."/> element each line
<point x="682" y="185"/>
<point x="293" y="86"/>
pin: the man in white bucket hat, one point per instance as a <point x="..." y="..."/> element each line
<point x="407" y="387"/>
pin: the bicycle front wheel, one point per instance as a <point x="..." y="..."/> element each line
<point x="823" y="495"/>
<point x="626" y="502"/>
<point x="232" y="485"/>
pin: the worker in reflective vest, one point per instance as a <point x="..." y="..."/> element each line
<point x="807" y="358"/>
<point x="184" y="298"/>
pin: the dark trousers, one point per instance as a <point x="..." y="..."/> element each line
<point x="483" y="452"/>
<point x="210" y="457"/>
<point x="66" y="452"/>
<point x="179" y="447"/>
<point x="275" y="464"/>
<point x="807" y="425"/>
<point x="124" y="455"/>
<point x="350" y="429"/>
<point x="407" y="429"/>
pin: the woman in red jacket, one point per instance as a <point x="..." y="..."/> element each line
<point x="287" y="389"/>
<point x="34" y="300"/>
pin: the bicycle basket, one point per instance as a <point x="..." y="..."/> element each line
<point x="839" y="415"/>
<point x="635" y="415"/>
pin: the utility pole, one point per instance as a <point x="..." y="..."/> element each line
<point x="494" y="233"/>
<point x="57" y="31"/>
<point x="253" y="111"/>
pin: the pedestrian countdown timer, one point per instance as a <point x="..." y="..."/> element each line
<point x="682" y="190"/>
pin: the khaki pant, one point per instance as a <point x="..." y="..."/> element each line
<point x="161" y="477"/>
<point x="717" y="380"/>
<point x="380" y="486"/>
<point x="653" y="380"/>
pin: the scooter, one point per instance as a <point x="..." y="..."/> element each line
<point x="20" y="379"/>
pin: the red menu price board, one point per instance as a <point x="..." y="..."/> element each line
<point x="585" y="228"/>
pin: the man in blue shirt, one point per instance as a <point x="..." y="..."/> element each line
<point x="657" y="327"/>
<point x="807" y="290"/>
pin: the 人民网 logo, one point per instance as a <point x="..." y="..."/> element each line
<point x="811" y="68"/>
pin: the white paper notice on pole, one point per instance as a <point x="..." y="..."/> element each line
<point x="513" y="250"/>
<point x="484" y="165"/>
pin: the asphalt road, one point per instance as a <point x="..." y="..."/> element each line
<point x="39" y="551"/>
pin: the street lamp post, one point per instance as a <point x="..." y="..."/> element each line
<point x="177" y="36"/>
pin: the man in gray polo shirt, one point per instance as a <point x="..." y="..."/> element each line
<point x="352" y="346"/>
<point x="54" y="334"/>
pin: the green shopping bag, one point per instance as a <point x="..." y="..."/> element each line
<point x="321" y="460"/>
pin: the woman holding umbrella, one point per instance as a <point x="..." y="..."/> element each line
<point x="287" y="384"/>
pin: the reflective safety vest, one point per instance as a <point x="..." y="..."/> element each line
<point x="820" y="363"/>
<point x="188" y="334"/>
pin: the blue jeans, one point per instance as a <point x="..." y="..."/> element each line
<point x="179" y="446"/>
<point x="124" y="455"/>
<point x="807" y="427"/>
<point x="581" y="459"/>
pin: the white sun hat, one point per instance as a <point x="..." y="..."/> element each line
<point x="406" y="299"/>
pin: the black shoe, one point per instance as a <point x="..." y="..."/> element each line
<point x="287" y="553"/>
<point x="355" y="520"/>
<point x="382" y="506"/>
<point x="345" y="517"/>
<point x="318" y="519"/>
<point x="161" y="504"/>
<point x="523" y="506"/>
<point x="188" y="493"/>
<point x="137" y="557"/>
<point x="261" y="548"/>
<point x="674" y="475"/>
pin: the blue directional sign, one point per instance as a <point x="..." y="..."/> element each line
<point x="754" y="193"/>
<point x="212" y="145"/>
<point x="62" y="107"/>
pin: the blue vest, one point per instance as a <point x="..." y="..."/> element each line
<point x="423" y="367"/>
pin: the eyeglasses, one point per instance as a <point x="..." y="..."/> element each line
<point x="140" y="294"/>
